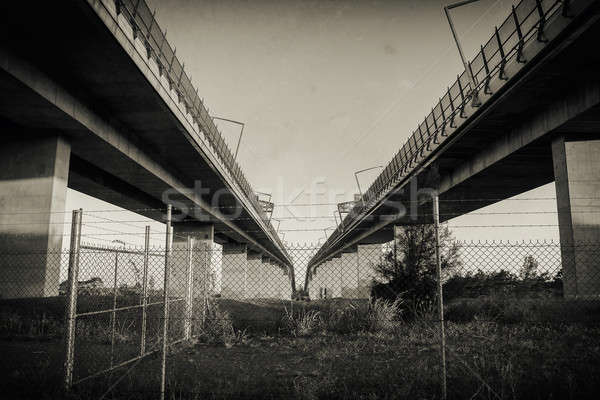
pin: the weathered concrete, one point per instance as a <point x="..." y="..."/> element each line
<point x="350" y="276"/>
<point x="367" y="258"/>
<point x="334" y="275"/>
<point x="191" y="269"/>
<point x="254" y="263"/>
<point x="33" y="187"/>
<point x="201" y="274"/>
<point x="325" y="279"/>
<point x="285" y="283"/>
<point x="577" y="181"/>
<point x="234" y="271"/>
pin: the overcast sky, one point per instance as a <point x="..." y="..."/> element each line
<point x="327" y="88"/>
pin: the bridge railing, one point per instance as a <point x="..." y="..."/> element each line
<point x="146" y="28"/>
<point x="525" y="21"/>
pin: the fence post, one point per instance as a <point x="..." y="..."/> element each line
<point x="72" y="297"/>
<point x="113" y="314"/>
<point x="168" y="242"/>
<point x="187" y="327"/>
<point x="436" y="222"/>
<point x="145" y="290"/>
<point x="205" y="264"/>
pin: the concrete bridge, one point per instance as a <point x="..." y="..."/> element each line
<point x="529" y="116"/>
<point x="94" y="98"/>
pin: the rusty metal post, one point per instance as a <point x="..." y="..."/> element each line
<point x="168" y="242"/>
<point x="436" y="222"/>
<point x="72" y="298"/>
<point x="145" y="290"/>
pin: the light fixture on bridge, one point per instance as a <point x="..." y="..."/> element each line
<point x="237" y="148"/>
<point x="267" y="205"/>
<point x="467" y="66"/>
<point x="358" y="183"/>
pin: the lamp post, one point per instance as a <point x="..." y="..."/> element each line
<point x="358" y="183"/>
<point x="447" y="9"/>
<point x="241" y="131"/>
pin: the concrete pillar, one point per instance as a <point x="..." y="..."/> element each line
<point x="33" y="189"/>
<point x="263" y="287"/>
<point x="335" y="271"/>
<point x="253" y="281"/>
<point x="313" y="293"/>
<point x="577" y="181"/>
<point x="192" y="275"/>
<point x="317" y="284"/>
<point x="324" y="278"/>
<point x="367" y="257"/>
<point x="234" y="271"/>
<point x="202" y="272"/>
<point x="285" y="283"/>
<point x="349" y="276"/>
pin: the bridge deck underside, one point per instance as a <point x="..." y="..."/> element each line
<point x="83" y="57"/>
<point x="565" y="74"/>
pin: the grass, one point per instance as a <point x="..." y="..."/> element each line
<point x="498" y="347"/>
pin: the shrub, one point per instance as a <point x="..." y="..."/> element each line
<point x="382" y="315"/>
<point x="345" y="319"/>
<point x="218" y="328"/>
<point x="302" y="323"/>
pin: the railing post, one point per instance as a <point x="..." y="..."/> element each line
<point x="520" y="58"/>
<point x="501" y="73"/>
<point x="436" y="223"/>
<point x="542" y="22"/>
<point x="145" y="290"/>
<point x="486" y="88"/>
<point x="168" y="242"/>
<point x="72" y="298"/>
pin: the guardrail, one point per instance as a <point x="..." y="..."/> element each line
<point x="146" y="29"/>
<point x="526" y="21"/>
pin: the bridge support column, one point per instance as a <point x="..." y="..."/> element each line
<point x="191" y="272"/>
<point x="336" y="276"/>
<point x="315" y="288"/>
<point x="367" y="257"/>
<point x="272" y="288"/>
<point x="325" y="279"/>
<point x="263" y="278"/>
<point x="349" y="276"/>
<point x="33" y="189"/>
<point x="577" y="181"/>
<point x="285" y="283"/>
<point x="254" y="277"/>
<point x="234" y="271"/>
<point x="319" y="282"/>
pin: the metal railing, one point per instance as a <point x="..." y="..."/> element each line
<point x="146" y="29"/>
<point x="526" y="21"/>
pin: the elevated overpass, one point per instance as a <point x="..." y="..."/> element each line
<point x="94" y="98"/>
<point x="531" y="116"/>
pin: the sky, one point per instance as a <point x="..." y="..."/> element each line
<point x="327" y="88"/>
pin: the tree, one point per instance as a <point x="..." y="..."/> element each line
<point x="529" y="270"/>
<point x="409" y="272"/>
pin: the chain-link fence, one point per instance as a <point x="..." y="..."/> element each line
<point x="195" y="318"/>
